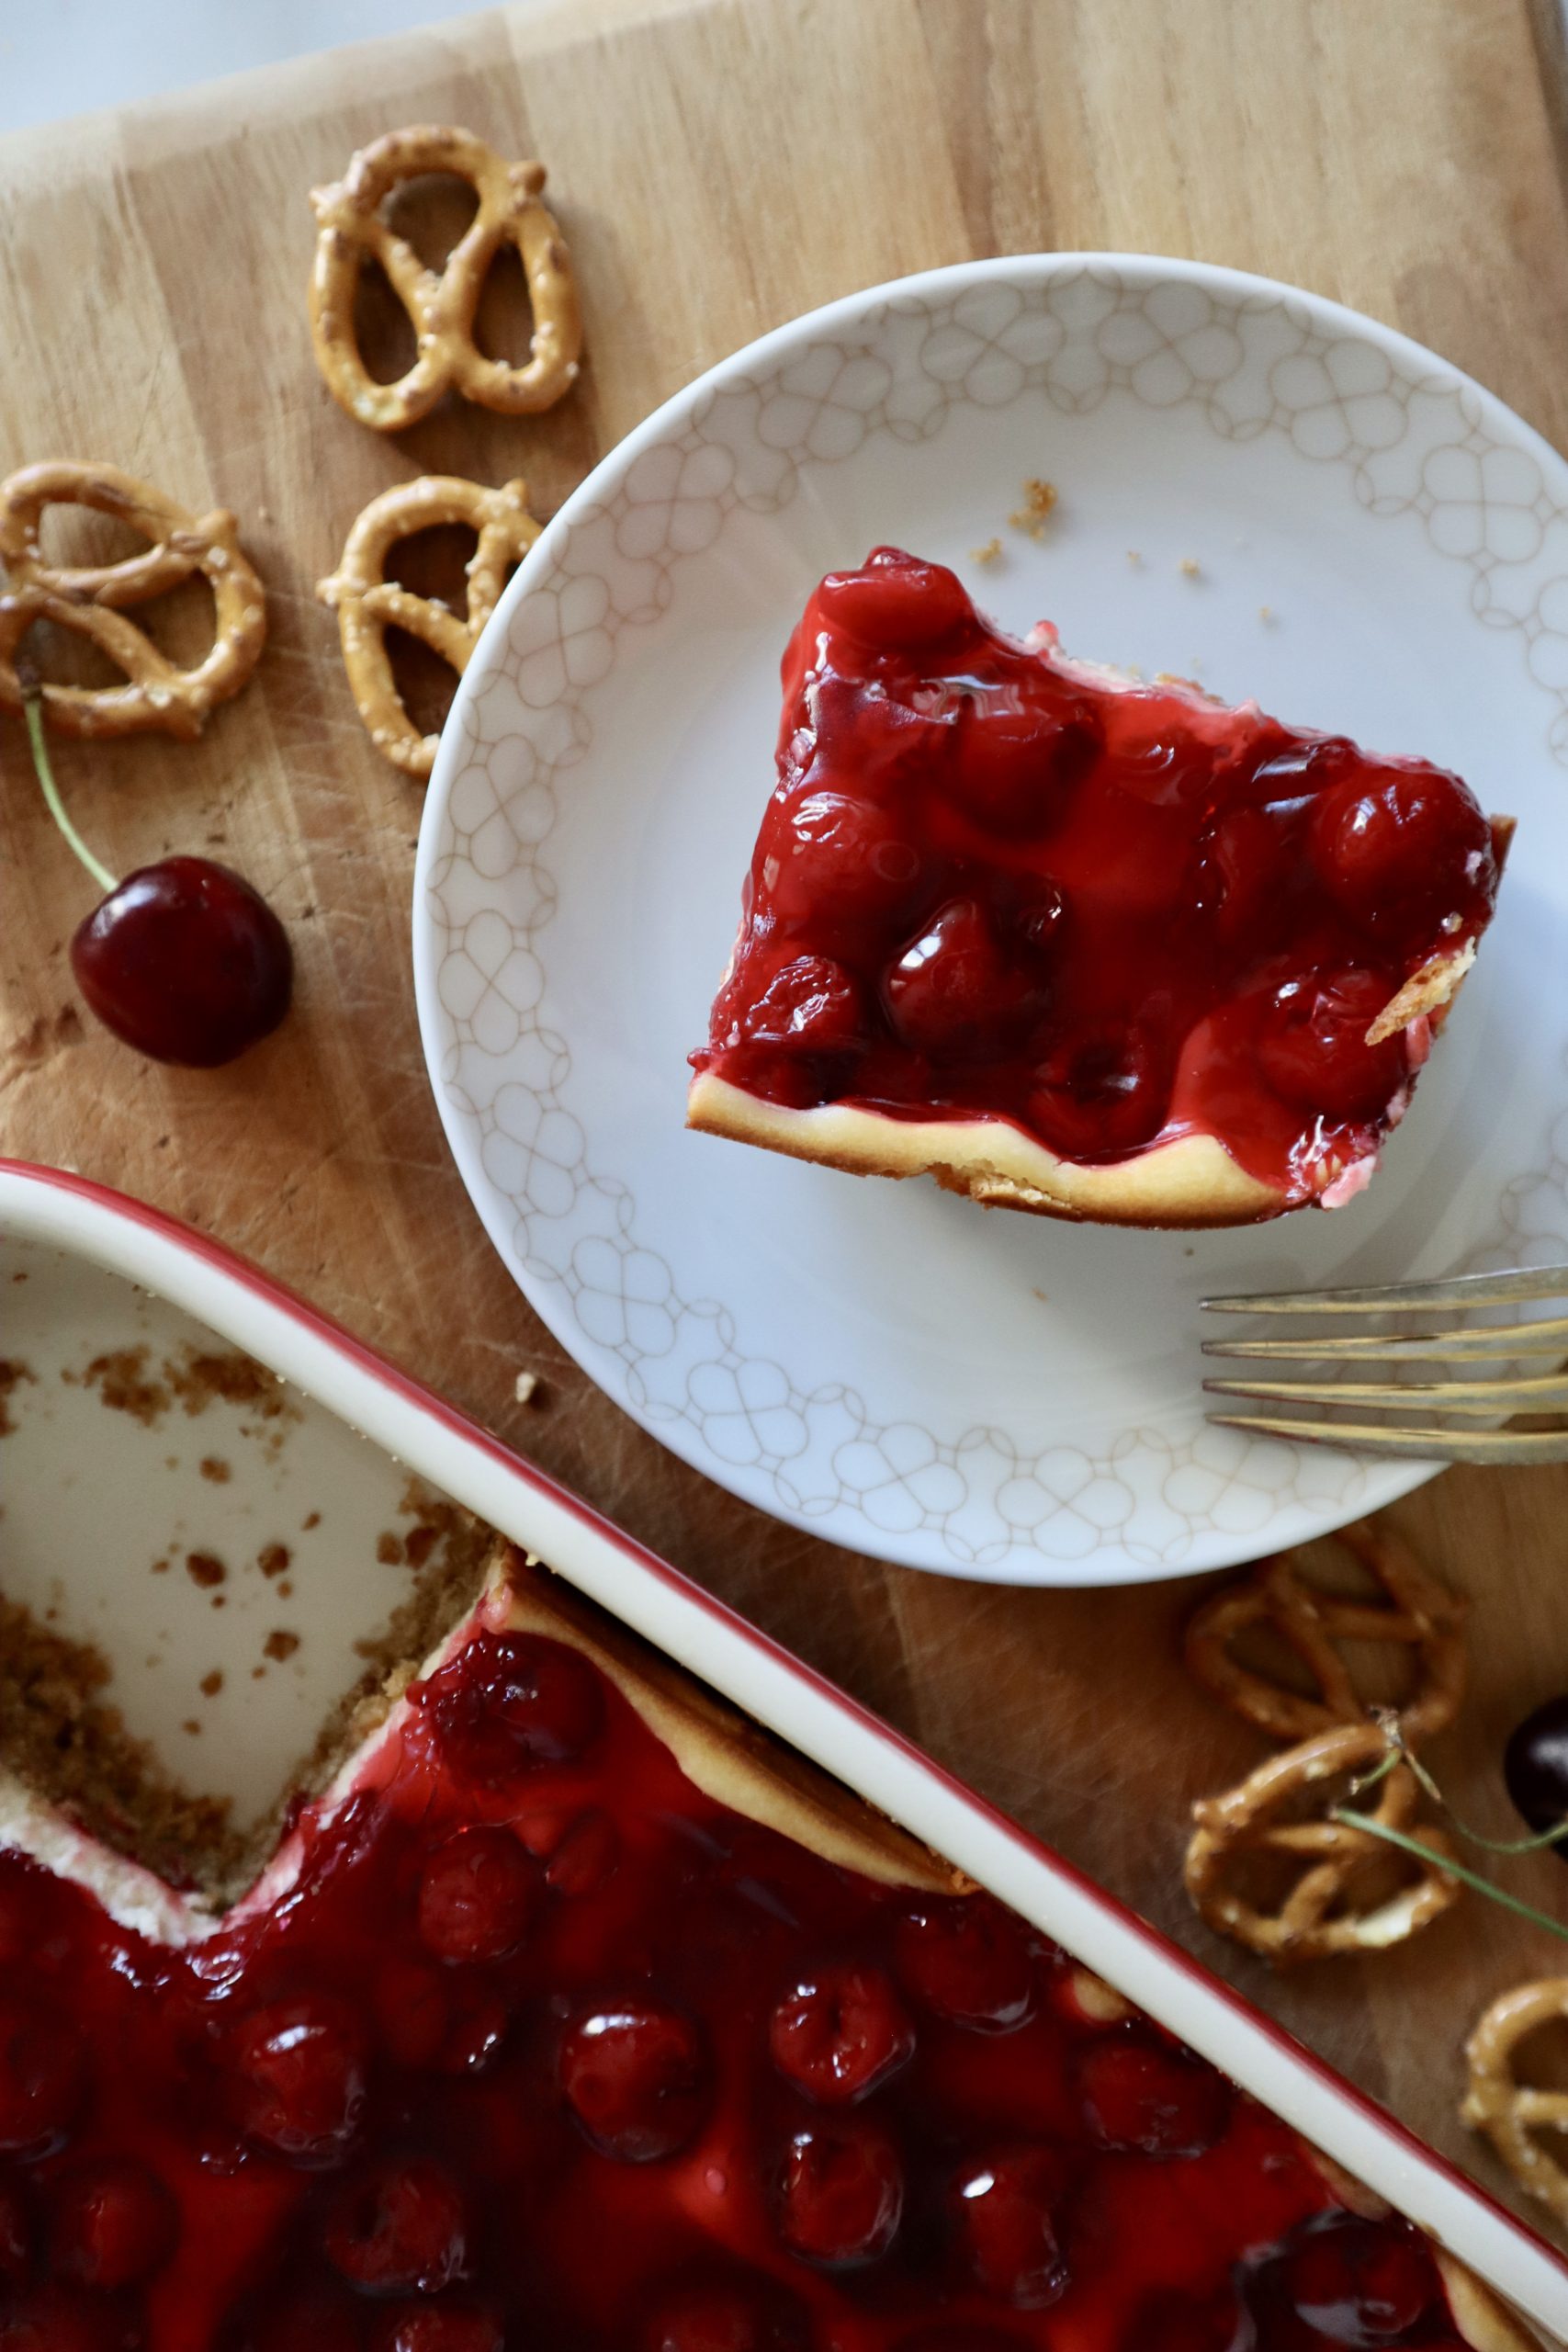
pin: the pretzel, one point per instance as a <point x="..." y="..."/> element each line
<point x="1510" y="2112"/>
<point x="441" y="306"/>
<point x="368" y="603"/>
<point x="1318" y="1917"/>
<point x="1423" y="1616"/>
<point x="91" y="600"/>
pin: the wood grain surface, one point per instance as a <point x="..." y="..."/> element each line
<point x="717" y="169"/>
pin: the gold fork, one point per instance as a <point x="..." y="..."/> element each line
<point x="1468" y="1347"/>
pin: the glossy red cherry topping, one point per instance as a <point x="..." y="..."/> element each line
<point x="840" y="2033"/>
<point x="530" y="2043"/>
<point x="476" y="1895"/>
<point x="186" y="962"/>
<point x="991" y="885"/>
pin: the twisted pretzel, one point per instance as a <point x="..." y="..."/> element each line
<point x="91" y="600"/>
<point x="368" y="603"/>
<point x="1425" y="1617"/>
<point x="1510" y="2112"/>
<point x="1318" y="1916"/>
<point x="441" y="307"/>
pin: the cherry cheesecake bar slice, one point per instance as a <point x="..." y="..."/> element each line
<point x="1074" y="944"/>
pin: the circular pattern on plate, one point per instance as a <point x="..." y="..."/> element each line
<point x="623" y="585"/>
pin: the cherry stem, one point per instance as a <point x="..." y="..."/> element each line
<point x="1350" y="1819"/>
<point x="32" y="711"/>
<point x="1400" y="1752"/>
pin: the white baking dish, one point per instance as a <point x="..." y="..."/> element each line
<point x="101" y="1268"/>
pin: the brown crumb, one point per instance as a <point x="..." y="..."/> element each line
<point x="286" y="1589"/>
<point x="1039" y="501"/>
<point x="235" y="1377"/>
<point x="388" y="1550"/>
<point x="216" y="1470"/>
<point x="419" y="1544"/>
<point x="258" y="1674"/>
<point x="1189" y="567"/>
<point x="121" y="1380"/>
<point x="313" y="1519"/>
<point x="273" y="1558"/>
<point x="987" y="554"/>
<point x="11" y="1375"/>
<point x="190" y="1724"/>
<point x="219" y="1601"/>
<point x="160" y="1568"/>
<point x="210" y="1684"/>
<point x="204" y="1569"/>
<point x="280" y="1645"/>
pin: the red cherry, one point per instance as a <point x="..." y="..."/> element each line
<point x="1358" y="2282"/>
<point x="60" y="2319"/>
<point x="895" y="601"/>
<point x="509" y="1700"/>
<point x="840" y="2033"/>
<point x="843" y="864"/>
<point x="1249" y="868"/>
<point x="476" y="1895"/>
<point x="1177" y="2324"/>
<point x="1312" y="1047"/>
<point x="1535" y="1767"/>
<point x="637" y="2078"/>
<point x="1004" y="2208"/>
<point x="587" y="1855"/>
<point x="401" y="2227"/>
<point x="186" y="962"/>
<point x="43" y="2079"/>
<point x="841" y="2197"/>
<point x="1140" y="2092"/>
<point x="968" y="2336"/>
<point x="965" y="1960"/>
<point x="1101" y="1094"/>
<point x="955" y="989"/>
<point x="441" y="2327"/>
<point x="299" y="2076"/>
<point x="113" y="2222"/>
<point x="1019" y="757"/>
<point x="811" y="1005"/>
<point x="1404" y="848"/>
<point x="725" y="2316"/>
<point x="16" y="2236"/>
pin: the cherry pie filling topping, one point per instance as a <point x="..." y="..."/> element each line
<point x="542" y="2047"/>
<point x="989" y="885"/>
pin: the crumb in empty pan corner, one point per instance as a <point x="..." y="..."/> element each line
<point x="11" y="1375"/>
<point x="215" y="1470"/>
<point x="280" y="1645"/>
<point x="204" y="1569"/>
<point x="273" y="1558"/>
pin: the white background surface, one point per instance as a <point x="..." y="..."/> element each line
<point x="64" y="57"/>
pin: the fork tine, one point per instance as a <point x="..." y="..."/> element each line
<point x="1417" y="1445"/>
<point x="1501" y="1397"/>
<point x="1500" y="1289"/>
<point x="1499" y="1340"/>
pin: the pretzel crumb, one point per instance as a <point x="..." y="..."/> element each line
<point x="989" y="553"/>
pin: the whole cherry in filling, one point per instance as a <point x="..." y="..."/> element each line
<point x="992" y="884"/>
<point x="636" y="2077"/>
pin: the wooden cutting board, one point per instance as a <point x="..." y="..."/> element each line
<point x="719" y="168"/>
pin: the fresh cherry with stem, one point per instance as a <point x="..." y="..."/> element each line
<point x="183" y="959"/>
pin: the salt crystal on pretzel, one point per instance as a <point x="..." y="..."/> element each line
<point x="368" y="604"/>
<point x="442" y="305"/>
<point x="92" y="601"/>
<point x="1421" y="1616"/>
<point x="1318" y="1916"/>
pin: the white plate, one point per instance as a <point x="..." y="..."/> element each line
<point x="363" y="1426"/>
<point x="1381" y="547"/>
